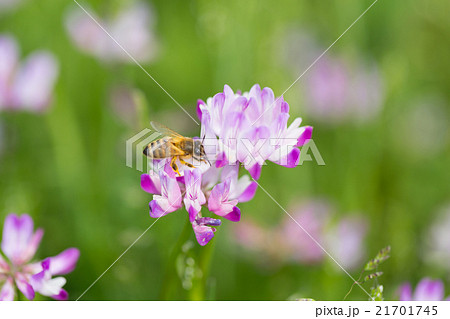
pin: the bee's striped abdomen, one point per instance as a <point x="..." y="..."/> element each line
<point x="158" y="149"/>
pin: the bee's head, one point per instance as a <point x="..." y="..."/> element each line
<point x="199" y="150"/>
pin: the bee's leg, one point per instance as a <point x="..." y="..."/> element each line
<point x="186" y="163"/>
<point x="174" y="165"/>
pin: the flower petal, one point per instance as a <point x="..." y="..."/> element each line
<point x="405" y="292"/>
<point x="305" y="136"/>
<point x="151" y="183"/>
<point x="7" y="293"/>
<point x="17" y="233"/>
<point x="64" y="262"/>
<point x="255" y="171"/>
<point x="429" y="290"/>
<point x="203" y="234"/>
<point x="62" y="295"/>
<point x="234" y="215"/>
<point x="248" y="193"/>
<point x="33" y="245"/>
<point x="52" y="287"/>
<point x="291" y="160"/>
<point x="199" y="110"/>
<point x="35" y="80"/>
<point x="218" y="201"/>
<point x="25" y="288"/>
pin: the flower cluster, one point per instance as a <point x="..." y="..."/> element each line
<point x="19" y="244"/>
<point x="251" y="128"/>
<point x="245" y="129"/>
<point x="130" y="27"/>
<point x="426" y="290"/>
<point x="27" y="85"/>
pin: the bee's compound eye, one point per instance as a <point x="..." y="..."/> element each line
<point x="197" y="147"/>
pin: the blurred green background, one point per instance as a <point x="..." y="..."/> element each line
<point x="66" y="166"/>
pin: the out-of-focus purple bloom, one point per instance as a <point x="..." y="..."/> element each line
<point x="123" y="103"/>
<point x="19" y="244"/>
<point x="245" y="129"/>
<point x="344" y="239"/>
<point x="297" y="244"/>
<point x="251" y="128"/>
<point x="426" y="290"/>
<point x="27" y="85"/>
<point x="337" y="92"/>
<point x="130" y="27"/>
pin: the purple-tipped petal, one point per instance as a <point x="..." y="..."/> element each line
<point x="255" y="171"/>
<point x="25" y="288"/>
<point x="429" y="290"/>
<point x="151" y="183"/>
<point x="65" y="262"/>
<point x="248" y="193"/>
<point x="63" y="295"/>
<point x="160" y="206"/>
<point x="221" y="160"/>
<point x="203" y="234"/>
<point x="7" y="293"/>
<point x="305" y="136"/>
<point x="17" y="233"/>
<point x="234" y="216"/>
<point x="292" y="159"/>
<point x="199" y="110"/>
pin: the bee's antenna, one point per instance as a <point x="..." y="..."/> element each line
<point x="203" y="139"/>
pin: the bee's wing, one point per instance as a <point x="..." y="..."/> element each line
<point x="165" y="130"/>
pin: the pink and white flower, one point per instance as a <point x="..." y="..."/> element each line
<point x="27" y="85"/>
<point x="19" y="245"/>
<point x="251" y="128"/>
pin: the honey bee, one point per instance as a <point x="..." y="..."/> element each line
<point x="176" y="146"/>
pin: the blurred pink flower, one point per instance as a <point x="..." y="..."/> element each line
<point x="343" y="240"/>
<point x="298" y="246"/>
<point x="27" y="85"/>
<point x="124" y="105"/>
<point x="337" y="92"/>
<point x="426" y="290"/>
<point x="131" y="28"/>
<point x="19" y="244"/>
<point x="335" y="89"/>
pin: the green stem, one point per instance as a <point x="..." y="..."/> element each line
<point x="171" y="275"/>
<point x="204" y="261"/>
